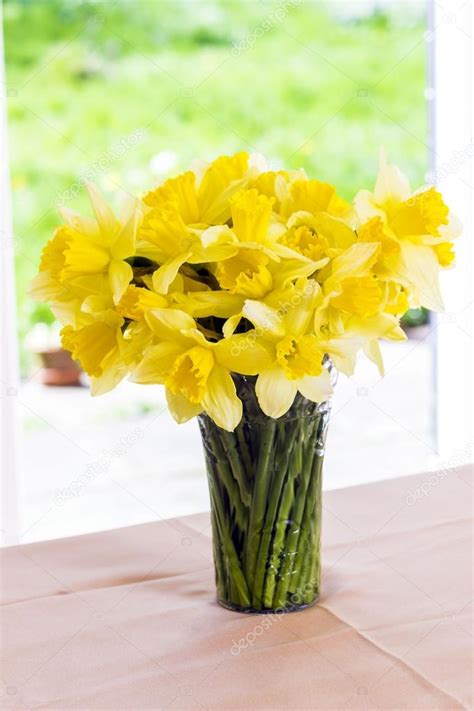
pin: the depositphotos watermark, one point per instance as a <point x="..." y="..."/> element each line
<point x="425" y="489"/>
<point x="435" y="178"/>
<point x="269" y="620"/>
<point x="100" y="166"/>
<point x="269" y="22"/>
<point x="99" y="466"/>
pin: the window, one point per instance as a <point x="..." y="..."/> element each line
<point x="125" y="95"/>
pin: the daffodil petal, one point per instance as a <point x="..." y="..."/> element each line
<point x="242" y="353"/>
<point x="215" y="253"/>
<point x="373" y="352"/>
<point x="114" y="371"/>
<point x="419" y="266"/>
<point x="181" y="408"/>
<point x="106" y="220"/>
<point x="217" y="242"/>
<point x="316" y="388"/>
<point x="80" y="223"/>
<point x="200" y="304"/>
<point x="391" y="185"/>
<point x="124" y="245"/>
<point x="275" y="392"/>
<point x="334" y="229"/>
<point x="108" y="380"/>
<point x="229" y="327"/>
<point x="366" y="207"/>
<point x="355" y="261"/>
<point x="220" y="399"/>
<point x="452" y="230"/>
<point x="195" y="335"/>
<point x="298" y="310"/>
<point x="156" y="363"/>
<point x="166" y="274"/>
<point x="265" y="318"/>
<point x="292" y="269"/>
<point x="44" y="287"/>
<point x="96" y="303"/>
<point x="167" y="324"/>
<point x="120" y="276"/>
<point x="380" y="326"/>
<point x="217" y="234"/>
<point x="281" y="250"/>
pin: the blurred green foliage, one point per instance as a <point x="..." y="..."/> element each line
<point x="415" y="317"/>
<point x="301" y="82"/>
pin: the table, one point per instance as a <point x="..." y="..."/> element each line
<point x="126" y="619"/>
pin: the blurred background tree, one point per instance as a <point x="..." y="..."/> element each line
<point x="130" y="91"/>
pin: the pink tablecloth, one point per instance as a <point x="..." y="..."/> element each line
<point x="126" y="619"/>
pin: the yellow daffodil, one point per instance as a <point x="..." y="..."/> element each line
<point x="97" y="345"/>
<point x="414" y="230"/>
<point x="358" y="306"/>
<point x="350" y="286"/>
<point x="179" y="209"/>
<point x="245" y="271"/>
<point x="196" y="372"/>
<point x="370" y="330"/>
<point x="47" y="284"/>
<point x="262" y="262"/>
<point x="100" y="246"/>
<point x="272" y="184"/>
<point x="66" y="296"/>
<point x="284" y="319"/>
<point x="202" y="196"/>
<point x="317" y="236"/>
<point x="171" y="243"/>
<point x="136" y="301"/>
<point x="311" y="196"/>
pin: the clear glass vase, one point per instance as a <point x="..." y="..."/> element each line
<point x="265" y="482"/>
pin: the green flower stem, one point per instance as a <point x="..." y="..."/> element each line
<point x="279" y="537"/>
<point x="310" y="587"/>
<point x="218" y="559"/>
<point x="239" y="590"/>
<point x="287" y="500"/>
<point x="244" y="451"/>
<point x="312" y="582"/>
<point x="229" y="443"/>
<point x="301" y="562"/>
<point x="313" y="590"/>
<point x="282" y="458"/>
<point x="225" y="476"/>
<point x="259" y="501"/>
<point x="310" y="530"/>
<point x="288" y="567"/>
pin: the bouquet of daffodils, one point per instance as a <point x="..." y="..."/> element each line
<point x="231" y="268"/>
<point x="242" y="290"/>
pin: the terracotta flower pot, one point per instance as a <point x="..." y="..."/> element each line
<point x="58" y="368"/>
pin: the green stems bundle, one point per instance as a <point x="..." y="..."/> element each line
<point x="265" y="487"/>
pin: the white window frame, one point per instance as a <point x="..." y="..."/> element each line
<point x="9" y="368"/>
<point x="452" y="33"/>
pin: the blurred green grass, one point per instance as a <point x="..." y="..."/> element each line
<point x="103" y="88"/>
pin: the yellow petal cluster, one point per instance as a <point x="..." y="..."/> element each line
<point x="231" y="268"/>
